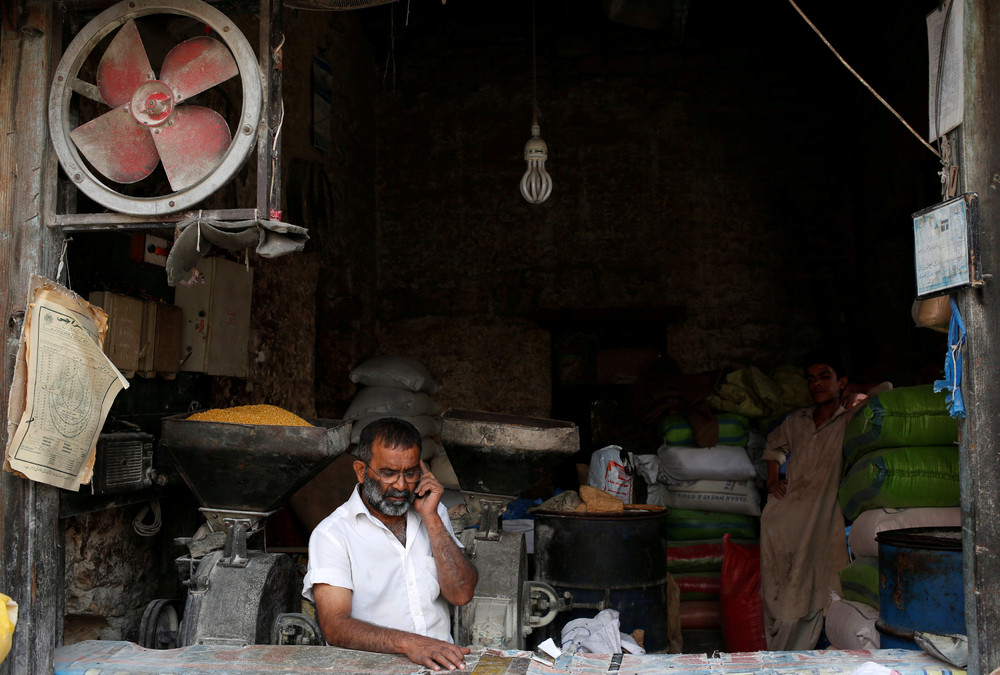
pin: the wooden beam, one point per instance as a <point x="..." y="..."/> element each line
<point x="980" y="432"/>
<point x="269" y="141"/>
<point x="31" y="557"/>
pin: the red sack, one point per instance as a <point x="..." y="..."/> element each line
<point x="739" y="595"/>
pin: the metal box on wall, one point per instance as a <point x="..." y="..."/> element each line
<point x="123" y="340"/>
<point x="216" y="328"/>
<point x="123" y="463"/>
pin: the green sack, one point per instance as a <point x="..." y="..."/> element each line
<point x="899" y="418"/>
<point x="901" y="478"/>
<point x="733" y="428"/>
<point x="691" y="524"/>
<point x="859" y="581"/>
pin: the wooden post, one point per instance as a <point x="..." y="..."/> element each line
<point x="269" y="142"/>
<point x="980" y="433"/>
<point x="31" y="556"/>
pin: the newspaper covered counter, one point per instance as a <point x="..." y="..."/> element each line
<point x="96" y="657"/>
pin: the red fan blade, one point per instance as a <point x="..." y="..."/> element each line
<point x="197" y="64"/>
<point x="193" y="145"/>
<point x="117" y="146"/>
<point x="123" y="67"/>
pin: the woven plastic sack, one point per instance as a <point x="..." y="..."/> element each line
<point x="859" y="581"/>
<point x="403" y="372"/>
<point x="675" y="430"/>
<point x="899" y="418"/>
<point x="425" y="424"/>
<point x="733" y="496"/>
<point x="901" y="478"/>
<point x="700" y="614"/>
<point x="700" y="556"/>
<point x="698" y="585"/>
<point x="740" y="598"/>
<point x="851" y="625"/>
<point x="390" y="402"/>
<point x="720" y="462"/>
<point x="691" y="524"/>
<point x="861" y="538"/>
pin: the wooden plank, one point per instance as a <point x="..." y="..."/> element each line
<point x="980" y="432"/>
<point x="31" y="565"/>
<point x="269" y="141"/>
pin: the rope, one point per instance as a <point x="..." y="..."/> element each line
<point x="862" y="80"/>
<point x="140" y="527"/>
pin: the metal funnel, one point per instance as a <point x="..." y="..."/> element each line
<point x="250" y="467"/>
<point x="504" y="454"/>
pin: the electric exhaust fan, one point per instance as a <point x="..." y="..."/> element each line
<point x="143" y="116"/>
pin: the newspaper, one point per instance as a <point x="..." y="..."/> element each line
<point x="62" y="390"/>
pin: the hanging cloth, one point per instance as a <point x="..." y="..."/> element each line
<point x="953" y="364"/>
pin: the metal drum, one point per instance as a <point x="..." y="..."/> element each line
<point x="615" y="561"/>
<point x="920" y="584"/>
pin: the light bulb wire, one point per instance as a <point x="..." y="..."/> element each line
<point x="534" y="70"/>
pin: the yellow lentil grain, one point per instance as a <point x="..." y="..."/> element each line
<point x="251" y="414"/>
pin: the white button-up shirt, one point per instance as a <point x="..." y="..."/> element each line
<point x="394" y="586"/>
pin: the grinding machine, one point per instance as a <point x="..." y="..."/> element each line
<point x="583" y="562"/>
<point x="240" y="474"/>
<point x="496" y="457"/>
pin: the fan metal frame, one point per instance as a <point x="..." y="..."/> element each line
<point x="66" y="82"/>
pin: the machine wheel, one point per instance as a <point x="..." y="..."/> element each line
<point x="159" y="626"/>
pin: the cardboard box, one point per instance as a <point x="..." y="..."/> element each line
<point x="161" y="340"/>
<point x="124" y="337"/>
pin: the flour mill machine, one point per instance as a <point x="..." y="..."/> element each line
<point x="497" y="457"/>
<point x="241" y="474"/>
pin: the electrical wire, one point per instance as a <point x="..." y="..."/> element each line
<point x="862" y="80"/>
<point x="139" y="524"/>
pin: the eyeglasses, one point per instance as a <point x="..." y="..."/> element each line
<point x="390" y="476"/>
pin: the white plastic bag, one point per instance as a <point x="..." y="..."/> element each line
<point x="611" y="470"/>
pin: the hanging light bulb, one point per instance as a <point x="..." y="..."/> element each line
<point x="536" y="184"/>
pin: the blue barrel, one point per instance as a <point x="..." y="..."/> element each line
<point x="921" y="587"/>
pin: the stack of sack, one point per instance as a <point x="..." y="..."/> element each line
<point x="711" y="492"/>
<point x="901" y="471"/>
<point x="398" y="386"/>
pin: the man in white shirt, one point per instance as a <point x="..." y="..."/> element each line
<point x="382" y="573"/>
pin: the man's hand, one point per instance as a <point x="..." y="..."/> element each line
<point x="428" y="493"/>
<point x="333" y="608"/>
<point x="435" y="654"/>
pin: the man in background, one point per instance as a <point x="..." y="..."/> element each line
<point x="802" y="541"/>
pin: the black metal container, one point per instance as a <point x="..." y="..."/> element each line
<point x="617" y="560"/>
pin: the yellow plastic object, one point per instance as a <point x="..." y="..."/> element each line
<point x="251" y="414"/>
<point x="8" y="620"/>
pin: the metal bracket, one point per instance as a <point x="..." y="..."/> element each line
<point x="295" y="629"/>
<point x="543" y="598"/>
<point x="235" y="551"/>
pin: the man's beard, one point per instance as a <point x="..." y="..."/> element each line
<point x="377" y="499"/>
